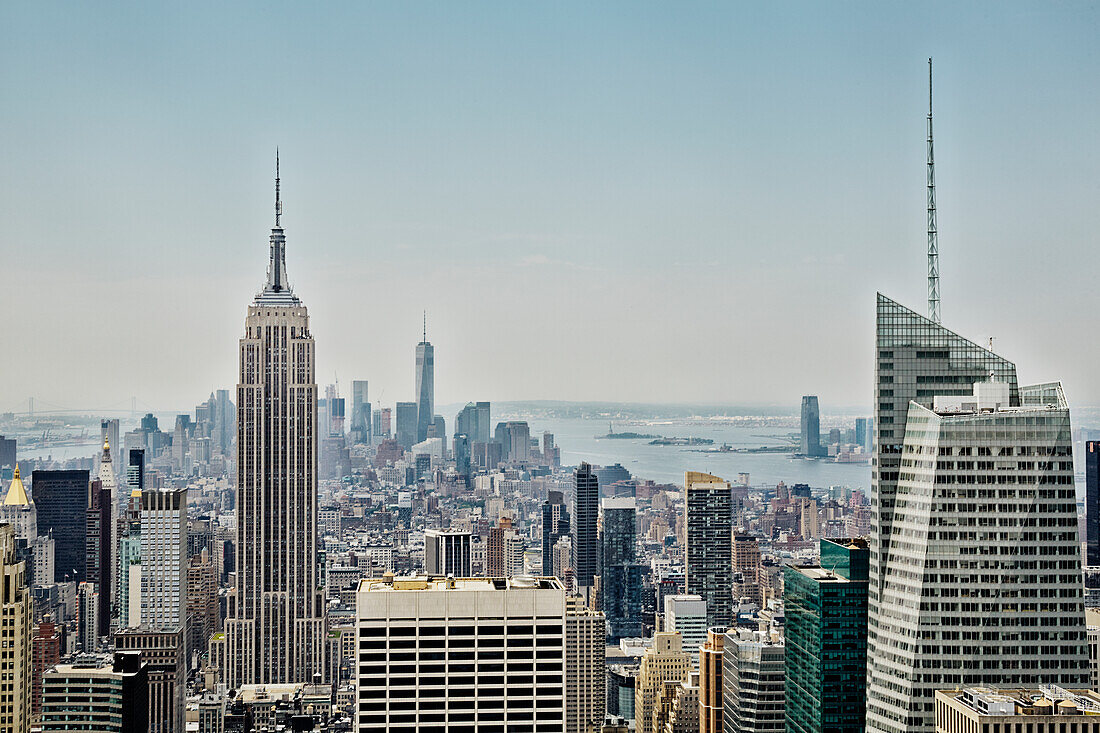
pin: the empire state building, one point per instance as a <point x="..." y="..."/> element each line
<point x="276" y="630"/>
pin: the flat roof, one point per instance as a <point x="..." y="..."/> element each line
<point x="444" y="584"/>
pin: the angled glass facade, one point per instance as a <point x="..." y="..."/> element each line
<point x="826" y="640"/>
<point x="915" y="360"/>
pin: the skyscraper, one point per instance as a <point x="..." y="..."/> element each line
<point x="586" y="507"/>
<point x="710" y="682"/>
<point x="277" y="631"/>
<point x="425" y="384"/>
<point x="405" y="432"/>
<point x="360" y="412"/>
<point x="585" y="667"/>
<point x="1014" y="523"/>
<point x="555" y="525"/>
<point x="164" y="558"/>
<point x="752" y="683"/>
<point x="708" y="568"/>
<point x="687" y="616"/>
<point x="61" y="498"/>
<point x="989" y="486"/>
<point x="620" y="573"/>
<point x="826" y="640"/>
<point x="1092" y="503"/>
<point x="15" y="651"/>
<point x="811" y="427"/>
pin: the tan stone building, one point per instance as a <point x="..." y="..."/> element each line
<point x="710" y="683"/>
<point x="15" y="638"/>
<point x="664" y="661"/>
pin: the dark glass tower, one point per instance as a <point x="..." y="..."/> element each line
<point x="826" y="637"/>
<point x="62" y="501"/>
<point x="586" y="504"/>
<point x="425" y="385"/>
<point x="811" y="427"/>
<point x="1092" y="503"/>
<point x="620" y="575"/>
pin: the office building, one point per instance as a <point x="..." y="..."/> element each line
<point x="164" y="558"/>
<point x="87" y="629"/>
<point x="1092" y="503"/>
<point x="746" y="567"/>
<point x="45" y="653"/>
<point x="61" y="500"/>
<point x="687" y="616"/>
<point x="620" y="572"/>
<point x="113" y="695"/>
<point x="447" y="553"/>
<point x="15" y="629"/>
<point x="277" y="632"/>
<point x="425" y="385"/>
<point x="492" y="654"/>
<point x="586" y="551"/>
<point x="810" y="444"/>
<point x="7" y="452"/>
<point x="664" y="661"/>
<point x="752" y="683"/>
<point x="1018" y="522"/>
<point x="708" y="567"/>
<point x="406" y="430"/>
<point x="164" y="656"/>
<point x="825" y="632"/>
<point x="555" y="525"/>
<point x="710" y="682"/>
<point x="585" y="669"/>
<point x="361" y="422"/>
<point x="915" y="359"/>
<point x="989" y="484"/>
<point x="98" y="537"/>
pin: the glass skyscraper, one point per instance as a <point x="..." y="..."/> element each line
<point x="975" y="574"/>
<point x="825" y="630"/>
<point x="620" y="575"/>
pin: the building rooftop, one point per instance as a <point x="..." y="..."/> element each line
<point x="440" y="583"/>
<point x="1047" y="700"/>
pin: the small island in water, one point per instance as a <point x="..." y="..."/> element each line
<point x="612" y="435"/>
<point x="682" y="441"/>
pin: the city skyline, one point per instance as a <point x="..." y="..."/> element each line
<point x="840" y="138"/>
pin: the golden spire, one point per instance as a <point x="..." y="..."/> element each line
<point x="17" y="494"/>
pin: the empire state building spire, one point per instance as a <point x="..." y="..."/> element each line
<point x="277" y="289"/>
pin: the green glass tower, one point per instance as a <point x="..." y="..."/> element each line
<point x="826" y="638"/>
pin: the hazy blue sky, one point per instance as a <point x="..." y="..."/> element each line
<point x="621" y="201"/>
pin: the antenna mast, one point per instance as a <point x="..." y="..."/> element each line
<point x="933" y="239"/>
<point x="278" y="198"/>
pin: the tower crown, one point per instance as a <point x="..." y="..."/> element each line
<point x="277" y="290"/>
